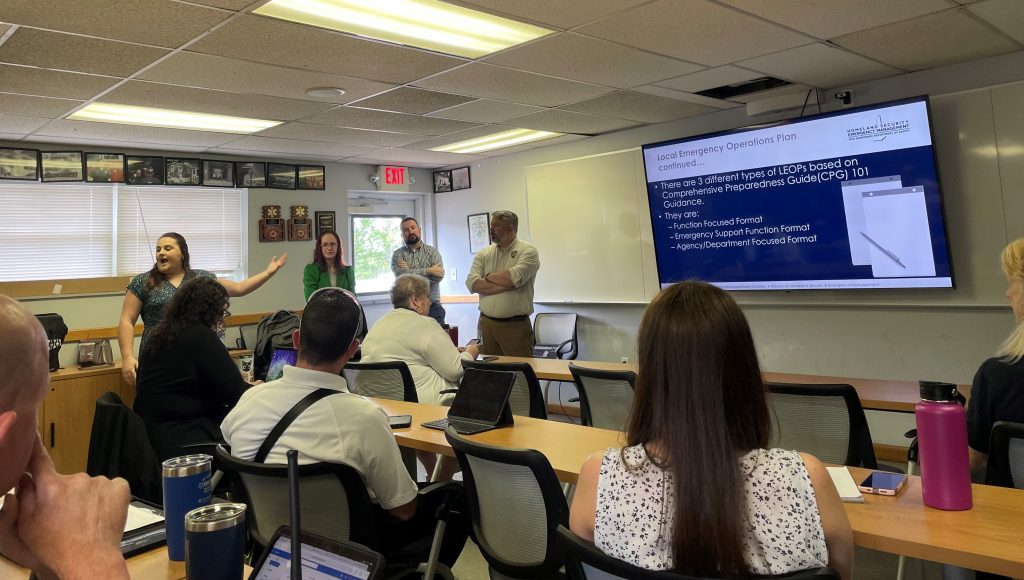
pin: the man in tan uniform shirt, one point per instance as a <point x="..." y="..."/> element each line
<point x="503" y="275"/>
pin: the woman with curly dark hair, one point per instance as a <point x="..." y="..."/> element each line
<point x="187" y="381"/>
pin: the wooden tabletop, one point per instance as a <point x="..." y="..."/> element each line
<point x="150" y="565"/>
<point x="988" y="537"/>
<point x="875" y="394"/>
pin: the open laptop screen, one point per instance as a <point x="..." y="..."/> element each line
<point x="280" y="358"/>
<point x="482" y="395"/>
<point x="322" y="559"/>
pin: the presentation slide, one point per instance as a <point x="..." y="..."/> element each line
<point x="835" y="201"/>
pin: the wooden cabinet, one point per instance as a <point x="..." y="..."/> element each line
<point x="65" y="417"/>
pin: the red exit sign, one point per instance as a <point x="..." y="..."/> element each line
<point x="393" y="178"/>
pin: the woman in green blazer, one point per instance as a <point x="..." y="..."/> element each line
<point x="328" y="268"/>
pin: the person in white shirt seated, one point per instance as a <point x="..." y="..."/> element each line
<point x="409" y="335"/>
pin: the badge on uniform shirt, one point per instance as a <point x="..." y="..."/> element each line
<point x="514" y="253"/>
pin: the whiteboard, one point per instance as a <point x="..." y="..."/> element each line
<point x="591" y="224"/>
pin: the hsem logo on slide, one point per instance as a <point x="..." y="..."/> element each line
<point x="394" y="175"/>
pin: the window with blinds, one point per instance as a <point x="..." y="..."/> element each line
<point x="62" y="231"/>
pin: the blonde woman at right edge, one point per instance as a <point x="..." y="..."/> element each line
<point x="697" y="490"/>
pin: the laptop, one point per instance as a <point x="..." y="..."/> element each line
<point x="322" y="559"/>
<point x="143" y="528"/>
<point x="481" y="402"/>
<point x="282" y="356"/>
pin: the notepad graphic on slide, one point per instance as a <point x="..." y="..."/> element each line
<point x="897" y="234"/>
<point x="853" y="204"/>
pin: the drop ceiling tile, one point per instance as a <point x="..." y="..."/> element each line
<point x="830" y="18"/>
<point x="108" y="144"/>
<point x="930" y="41"/>
<point x="486" y="111"/>
<point x="638" y="107"/>
<point x="820" y="65"/>
<point x="65" y="129"/>
<point x="591" y="60"/>
<point x="19" y="125"/>
<point x="242" y="154"/>
<point x="229" y="74"/>
<point x="561" y="14"/>
<point x="1006" y="15"/>
<point x="683" y="96"/>
<point x="50" y="83"/>
<point x="495" y="82"/>
<point x="709" y="79"/>
<point x="311" y="132"/>
<point x="4" y="28"/>
<point x="415" y="157"/>
<point x="571" y="122"/>
<point x="695" y="30"/>
<point x="208" y="101"/>
<point x="235" y="5"/>
<point x="71" y="52"/>
<point x="269" y="145"/>
<point x="357" y="118"/>
<point x="288" y="44"/>
<point x="153" y="22"/>
<point x="35" y="106"/>
<point x="414" y="101"/>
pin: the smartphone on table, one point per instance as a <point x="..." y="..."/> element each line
<point x="883" y="483"/>
<point x="400" y="421"/>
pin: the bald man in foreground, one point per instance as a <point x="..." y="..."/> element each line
<point x="60" y="526"/>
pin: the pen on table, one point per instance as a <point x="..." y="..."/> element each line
<point x="891" y="255"/>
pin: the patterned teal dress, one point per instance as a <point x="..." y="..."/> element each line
<point x="155" y="299"/>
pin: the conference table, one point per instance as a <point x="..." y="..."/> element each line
<point x="875" y="394"/>
<point x="150" y="565"/>
<point x="988" y="537"/>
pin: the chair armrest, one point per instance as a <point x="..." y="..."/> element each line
<point x="450" y="486"/>
<point x="558" y="351"/>
<point x="574" y="400"/>
<point x="447" y="391"/>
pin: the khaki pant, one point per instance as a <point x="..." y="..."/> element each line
<point x="514" y="338"/>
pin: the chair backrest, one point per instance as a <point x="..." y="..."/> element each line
<point x="333" y="498"/>
<point x="605" y="396"/>
<point x="557" y="331"/>
<point x="119" y="447"/>
<point x="527" y="398"/>
<point x="515" y="503"/>
<point x="247" y="332"/>
<point x="385" y="380"/>
<point x="583" y="561"/>
<point x="1006" y="455"/>
<point x="826" y="421"/>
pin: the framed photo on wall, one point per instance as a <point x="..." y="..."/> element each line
<point x="311" y="177"/>
<point x="182" y="171"/>
<point x="325" y="220"/>
<point x="250" y="174"/>
<point x="479" y="231"/>
<point x="218" y="173"/>
<point x="21" y="164"/>
<point x="460" y="178"/>
<point x="280" y="176"/>
<point x="104" y="167"/>
<point x="442" y="181"/>
<point x="144" y="170"/>
<point x="62" y="166"/>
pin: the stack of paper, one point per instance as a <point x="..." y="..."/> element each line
<point x="845" y="485"/>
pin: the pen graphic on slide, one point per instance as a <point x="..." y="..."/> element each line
<point x="891" y="255"/>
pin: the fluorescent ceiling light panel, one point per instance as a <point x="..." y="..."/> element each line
<point x="170" y="118"/>
<point x="428" y="24"/>
<point x="496" y="141"/>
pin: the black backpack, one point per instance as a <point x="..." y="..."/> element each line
<point x="56" y="331"/>
<point x="274" y="331"/>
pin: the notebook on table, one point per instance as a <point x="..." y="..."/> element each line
<point x="322" y="559"/>
<point x="481" y="402"/>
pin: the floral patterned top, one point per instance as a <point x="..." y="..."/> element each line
<point x="781" y="530"/>
<point x="155" y="299"/>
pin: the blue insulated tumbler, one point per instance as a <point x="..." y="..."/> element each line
<point x="215" y="541"/>
<point x="186" y="482"/>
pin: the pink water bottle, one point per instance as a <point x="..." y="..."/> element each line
<point x="942" y="440"/>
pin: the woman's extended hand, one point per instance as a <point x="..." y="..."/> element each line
<point x="276" y="264"/>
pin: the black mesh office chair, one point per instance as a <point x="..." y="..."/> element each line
<point x="583" y="561"/>
<point x="1006" y="455"/>
<point x="605" y="396"/>
<point x="554" y="335"/>
<point x="515" y="503"/>
<point x="119" y="447"/>
<point x="526" y="398"/>
<point x="335" y="504"/>
<point x="384" y="380"/>
<point x="826" y="421"/>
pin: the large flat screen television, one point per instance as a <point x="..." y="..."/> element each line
<point x="841" y="200"/>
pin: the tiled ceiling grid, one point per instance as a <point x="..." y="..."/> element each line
<point x="608" y="65"/>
